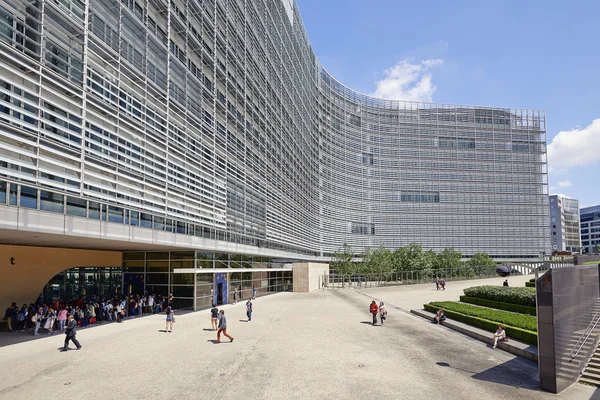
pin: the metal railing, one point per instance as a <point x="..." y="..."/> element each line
<point x="588" y="331"/>
<point x="338" y="281"/>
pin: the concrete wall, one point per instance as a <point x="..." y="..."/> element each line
<point x="308" y="276"/>
<point x="566" y="300"/>
<point x="581" y="259"/>
<point x="33" y="267"/>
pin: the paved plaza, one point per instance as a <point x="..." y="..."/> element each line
<point x="318" y="345"/>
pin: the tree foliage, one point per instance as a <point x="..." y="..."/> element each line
<point x="342" y="261"/>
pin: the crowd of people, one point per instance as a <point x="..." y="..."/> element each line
<point x="86" y="311"/>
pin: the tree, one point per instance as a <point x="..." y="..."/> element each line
<point x="597" y="248"/>
<point x="481" y="260"/>
<point x="447" y="259"/>
<point x="341" y="262"/>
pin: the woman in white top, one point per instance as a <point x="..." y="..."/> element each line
<point x="499" y="335"/>
<point x="382" y="312"/>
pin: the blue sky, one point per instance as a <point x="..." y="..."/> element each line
<point x="519" y="54"/>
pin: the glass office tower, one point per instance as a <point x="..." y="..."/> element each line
<point x="215" y="119"/>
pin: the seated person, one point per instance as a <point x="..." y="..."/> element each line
<point x="439" y="317"/>
<point x="499" y="335"/>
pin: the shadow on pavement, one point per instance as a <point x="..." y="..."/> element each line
<point x="244" y="320"/>
<point x="366" y="322"/>
<point x="213" y="341"/>
<point x="208" y="330"/>
<point x="516" y="372"/>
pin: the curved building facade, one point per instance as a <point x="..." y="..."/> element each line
<point x="213" y="120"/>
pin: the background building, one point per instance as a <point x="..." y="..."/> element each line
<point x="172" y="125"/>
<point x="590" y="228"/>
<point x="564" y="218"/>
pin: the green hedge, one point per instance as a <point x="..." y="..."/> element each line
<point x="522" y="321"/>
<point x="499" y="305"/>
<point x="512" y="332"/>
<point x="532" y="280"/>
<point x="530" y="284"/>
<point x="516" y="295"/>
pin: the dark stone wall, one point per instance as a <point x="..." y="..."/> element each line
<point x="566" y="298"/>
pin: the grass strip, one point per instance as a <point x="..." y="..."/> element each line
<point x="522" y="335"/>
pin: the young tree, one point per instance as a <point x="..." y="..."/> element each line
<point x="448" y="259"/>
<point x="481" y="260"/>
<point x="597" y="248"/>
<point x="342" y="261"/>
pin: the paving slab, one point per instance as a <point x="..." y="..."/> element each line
<point x="318" y="345"/>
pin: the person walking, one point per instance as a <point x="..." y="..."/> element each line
<point x="254" y="291"/>
<point x="249" y="310"/>
<point x="214" y="317"/>
<point x="443" y="284"/>
<point x="234" y="297"/>
<point x="170" y="319"/>
<point x="373" y="308"/>
<point x="223" y="327"/>
<point x="382" y="312"/>
<point x="70" y="333"/>
<point x="437" y="283"/>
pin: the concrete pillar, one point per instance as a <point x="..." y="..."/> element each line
<point x="308" y="276"/>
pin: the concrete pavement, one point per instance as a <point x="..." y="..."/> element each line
<point x="318" y="345"/>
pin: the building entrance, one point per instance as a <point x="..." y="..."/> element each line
<point x="220" y="289"/>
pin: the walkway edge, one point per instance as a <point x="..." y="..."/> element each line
<point x="513" y="347"/>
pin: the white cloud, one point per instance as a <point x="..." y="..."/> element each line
<point x="408" y="81"/>
<point x="564" y="184"/>
<point x="575" y="148"/>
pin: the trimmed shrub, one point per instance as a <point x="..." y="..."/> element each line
<point x="499" y="305"/>
<point x="512" y="332"/>
<point x="522" y="321"/>
<point x="530" y="284"/>
<point x="516" y="295"/>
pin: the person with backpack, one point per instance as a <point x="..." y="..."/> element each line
<point x="443" y="284"/>
<point x="70" y="333"/>
<point x="373" y="309"/>
<point x="170" y="320"/>
<point x="214" y="317"/>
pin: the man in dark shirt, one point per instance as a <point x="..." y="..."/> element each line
<point x="505" y="282"/>
<point x="11" y="317"/>
<point x="214" y="317"/>
<point x="70" y="333"/>
<point x="249" y="310"/>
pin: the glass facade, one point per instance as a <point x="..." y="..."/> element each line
<point x="590" y="228"/>
<point x="215" y="119"/>
<point x="565" y="221"/>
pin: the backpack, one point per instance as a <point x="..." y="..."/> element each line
<point x="21" y="316"/>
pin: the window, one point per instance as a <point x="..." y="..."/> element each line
<point x="553" y="233"/>
<point x="28" y="197"/>
<point x="3" y="187"/>
<point x="362" y="228"/>
<point x="420" y="197"/>
<point x="367" y="158"/>
<point x="115" y="214"/>
<point x="146" y="220"/>
<point x="94" y="210"/>
<point x="12" y="197"/>
<point x="76" y="206"/>
<point x="447" y="143"/>
<point x="52" y="202"/>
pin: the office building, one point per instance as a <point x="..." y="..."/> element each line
<point x="211" y="126"/>
<point x="590" y="228"/>
<point x="564" y="218"/>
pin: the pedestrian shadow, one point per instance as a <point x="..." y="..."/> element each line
<point x="162" y="330"/>
<point x="213" y="341"/>
<point x="244" y="320"/>
<point x="208" y="330"/>
<point x="366" y="322"/>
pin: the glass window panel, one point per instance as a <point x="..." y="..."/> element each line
<point x="159" y="223"/>
<point x="94" y="210"/>
<point x="182" y="255"/>
<point x="183" y="291"/>
<point x="76" y="206"/>
<point x="50" y="201"/>
<point x="157" y="255"/>
<point x="3" y="190"/>
<point x="28" y="197"/>
<point x="157" y="278"/>
<point x="146" y="220"/>
<point x="134" y="218"/>
<point x="115" y="214"/>
<point x="134" y="255"/>
<point x="12" y="198"/>
<point x="183" y="279"/>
